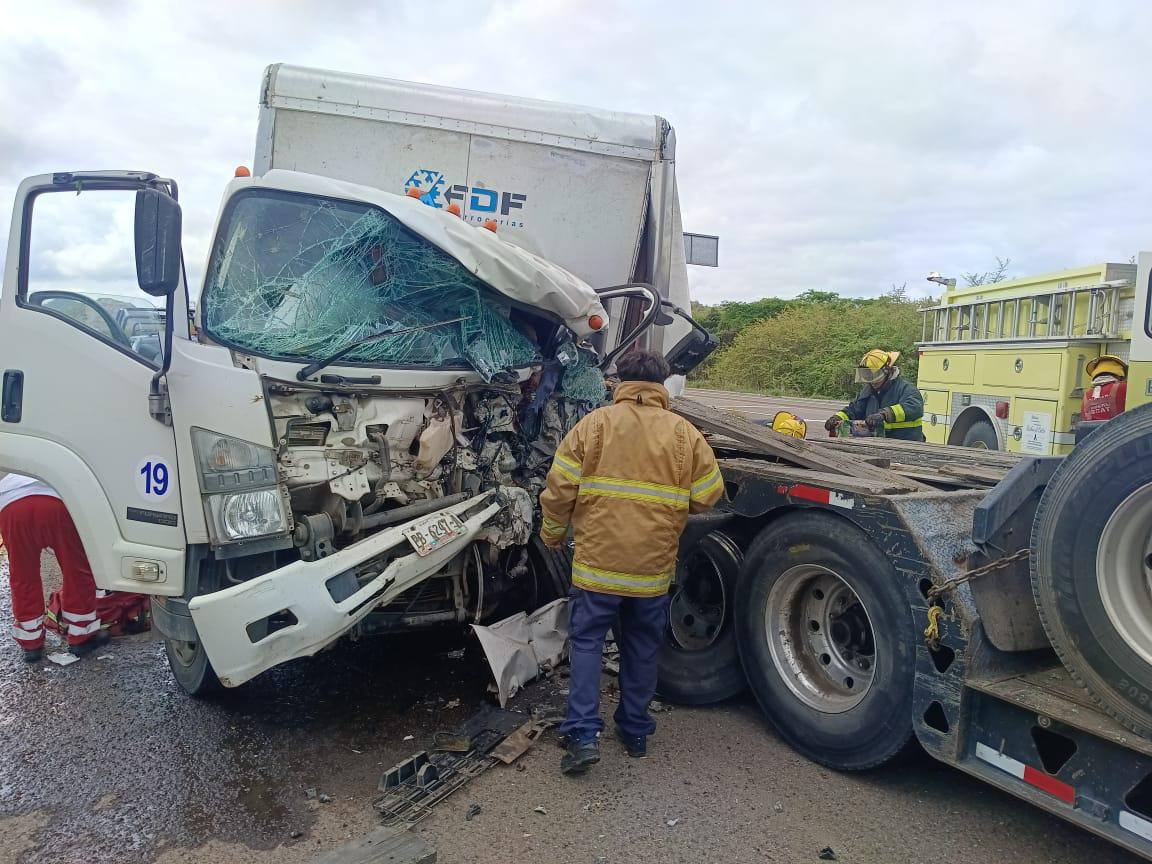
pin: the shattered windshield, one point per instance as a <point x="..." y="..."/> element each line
<point x="297" y="277"/>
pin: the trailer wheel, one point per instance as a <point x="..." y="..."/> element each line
<point x="827" y="641"/>
<point x="1092" y="566"/>
<point x="700" y="663"/>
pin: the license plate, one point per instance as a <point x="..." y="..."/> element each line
<point x="429" y="534"/>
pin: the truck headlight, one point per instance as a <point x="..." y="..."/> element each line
<point x="245" y="515"/>
<point x="241" y="490"/>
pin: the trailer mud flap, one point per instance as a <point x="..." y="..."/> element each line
<point x="230" y="622"/>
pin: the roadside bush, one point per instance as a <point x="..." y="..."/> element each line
<point x="811" y="349"/>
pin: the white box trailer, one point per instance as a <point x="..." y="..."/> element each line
<point x="591" y="190"/>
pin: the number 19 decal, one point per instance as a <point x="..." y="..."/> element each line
<point x="154" y="479"/>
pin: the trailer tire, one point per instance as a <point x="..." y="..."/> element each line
<point x="1091" y="563"/>
<point x="700" y="664"/>
<point x="814" y="576"/>
<point x="553" y="569"/>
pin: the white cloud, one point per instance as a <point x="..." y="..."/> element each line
<point x="836" y="146"/>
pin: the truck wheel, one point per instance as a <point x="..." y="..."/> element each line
<point x="1092" y="565"/>
<point x="700" y="663"/>
<point x="827" y="641"/>
<point x="981" y="435"/>
<point x="191" y="667"/>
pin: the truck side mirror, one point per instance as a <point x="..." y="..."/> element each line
<point x="158" y="224"/>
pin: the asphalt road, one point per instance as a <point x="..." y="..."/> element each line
<point x="106" y="760"/>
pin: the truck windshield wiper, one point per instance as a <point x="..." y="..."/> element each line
<point x="313" y="368"/>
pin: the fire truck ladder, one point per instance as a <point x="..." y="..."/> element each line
<point x="1089" y="313"/>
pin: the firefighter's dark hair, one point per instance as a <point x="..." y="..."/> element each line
<point x="642" y="366"/>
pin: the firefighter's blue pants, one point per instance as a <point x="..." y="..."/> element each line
<point x="643" y="621"/>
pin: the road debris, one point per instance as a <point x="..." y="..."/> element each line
<point x="519" y="742"/>
<point x="63" y="658"/>
<point x="672" y="823"/>
<point x="450" y="742"/>
<point x="522" y="647"/>
<point x="539" y="808"/>
<point x="473" y="811"/>
<point x="414" y="786"/>
<point x="104" y="657"/>
<point x="394" y="844"/>
<point x="452" y="703"/>
<point x="778" y="807"/>
<point x="826" y="854"/>
<point x="310" y="793"/>
<point x="324" y="798"/>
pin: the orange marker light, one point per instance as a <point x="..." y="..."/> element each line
<point x="453" y="208"/>
<point x="490" y="224"/>
<point x="413" y="192"/>
<point x="242" y="171"/>
<point x="595" y="322"/>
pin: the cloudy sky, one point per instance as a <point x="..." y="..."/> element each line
<point x="835" y="145"/>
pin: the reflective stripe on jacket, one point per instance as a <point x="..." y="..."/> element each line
<point x="626" y="478"/>
<point x="901" y="399"/>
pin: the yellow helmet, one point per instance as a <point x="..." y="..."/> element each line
<point x="1106" y="364"/>
<point x="875" y="366"/>
<point x="787" y="423"/>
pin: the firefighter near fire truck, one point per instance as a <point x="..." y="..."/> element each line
<point x="888" y="405"/>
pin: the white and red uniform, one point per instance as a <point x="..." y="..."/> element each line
<point x="32" y="519"/>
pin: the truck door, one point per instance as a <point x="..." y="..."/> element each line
<point x="79" y="345"/>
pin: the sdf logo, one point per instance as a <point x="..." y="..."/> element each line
<point x="477" y="203"/>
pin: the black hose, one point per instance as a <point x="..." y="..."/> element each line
<point x="410" y="511"/>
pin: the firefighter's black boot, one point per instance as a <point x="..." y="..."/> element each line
<point x="581" y="756"/>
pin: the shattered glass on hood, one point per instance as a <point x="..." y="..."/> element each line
<point x="298" y="278"/>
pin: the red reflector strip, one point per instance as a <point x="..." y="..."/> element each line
<point x="819" y="496"/>
<point x="809" y="493"/>
<point x="1049" y="784"/>
<point x="1027" y="773"/>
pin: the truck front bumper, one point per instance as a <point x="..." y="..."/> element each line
<point x="224" y="619"/>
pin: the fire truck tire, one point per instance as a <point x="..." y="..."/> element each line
<point x="700" y="664"/>
<point x="827" y="640"/>
<point x="1091" y="564"/>
<point x="981" y="435"/>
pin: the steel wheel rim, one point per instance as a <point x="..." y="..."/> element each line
<point x="184" y="653"/>
<point x="821" y="638"/>
<point x="1123" y="574"/>
<point x="699" y="600"/>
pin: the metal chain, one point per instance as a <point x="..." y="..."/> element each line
<point x="998" y="564"/>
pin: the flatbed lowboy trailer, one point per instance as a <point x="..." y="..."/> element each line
<point x="891" y="603"/>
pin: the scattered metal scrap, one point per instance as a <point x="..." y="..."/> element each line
<point x="392" y="845"/>
<point x="521" y="647"/>
<point x="413" y="787"/>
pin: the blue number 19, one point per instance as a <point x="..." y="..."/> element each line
<point x="155" y="476"/>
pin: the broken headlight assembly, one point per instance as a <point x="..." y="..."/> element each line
<point x="238" y="481"/>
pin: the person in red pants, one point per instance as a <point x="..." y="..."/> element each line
<point x="32" y="519"/>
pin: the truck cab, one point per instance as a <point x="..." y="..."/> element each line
<point x="350" y="433"/>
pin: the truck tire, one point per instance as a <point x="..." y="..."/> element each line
<point x="553" y="569"/>
<point x="700" y="663"/>
<point x="1091" y="566"/>
<point x="981" y="435"/>
<point x="827" y="641"/>
<point x="191" y="667"/>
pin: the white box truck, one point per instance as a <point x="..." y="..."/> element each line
<point x="350" y="433"/>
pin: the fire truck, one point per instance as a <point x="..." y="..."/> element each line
<point x="1021" y="365"/>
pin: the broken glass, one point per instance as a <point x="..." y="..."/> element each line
<point x="297" y="277"/>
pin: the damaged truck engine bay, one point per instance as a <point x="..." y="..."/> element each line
<point x="298" y="278"/>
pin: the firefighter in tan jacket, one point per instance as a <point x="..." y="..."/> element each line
<point x="624" y="479"/>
